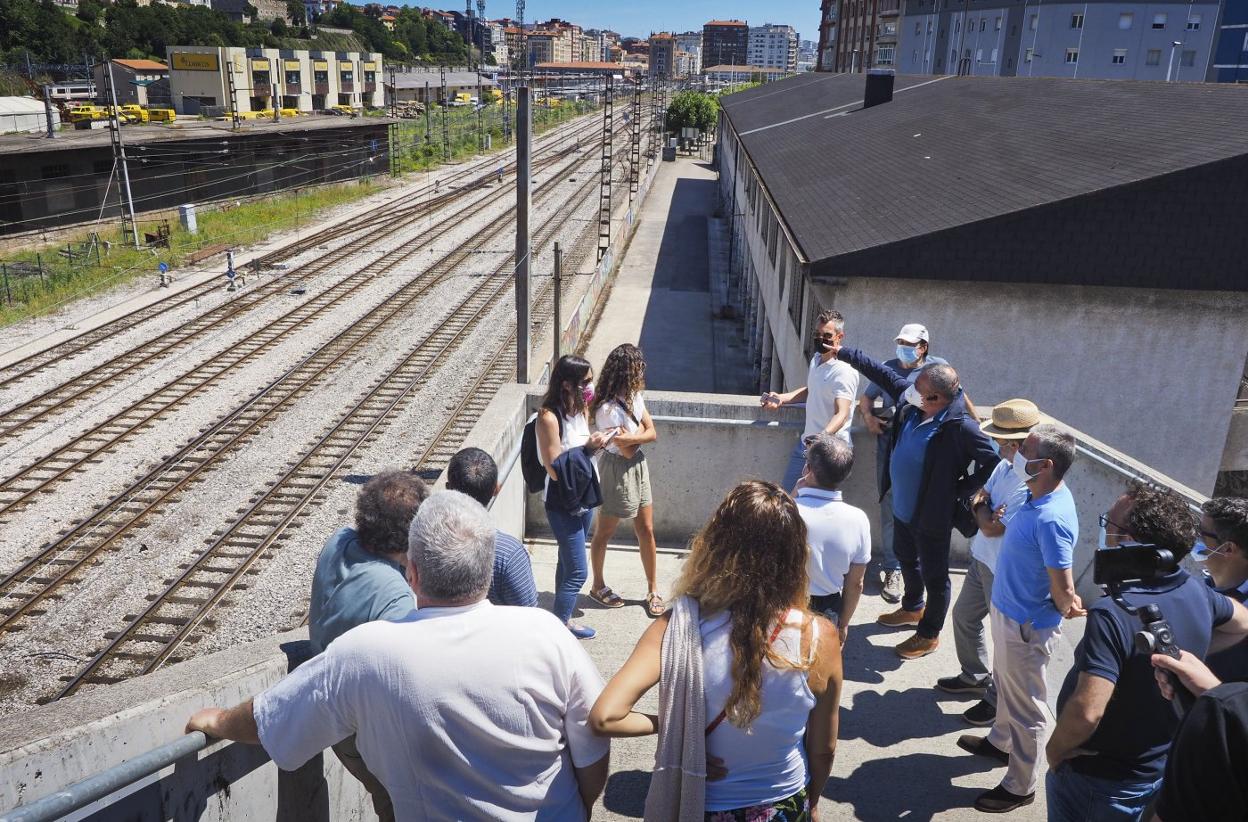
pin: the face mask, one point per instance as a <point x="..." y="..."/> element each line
<point x="1202" y="552"/>
<point x="996" y="448"/>
<point x="587" y="394"/>
<point x="913" y="397"/>
<point x="908" y="354"/>
<point x="1020" y="464"/>
<point x="822" y="345"/>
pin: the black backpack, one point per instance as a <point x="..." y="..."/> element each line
<point x="530" y="462"/>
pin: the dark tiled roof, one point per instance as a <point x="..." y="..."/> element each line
<point x="949" y="152"/>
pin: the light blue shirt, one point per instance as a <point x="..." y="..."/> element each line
<point x="352" y="586"/>
<point x="906" y="466"/>
<point x="1041" y="535"/>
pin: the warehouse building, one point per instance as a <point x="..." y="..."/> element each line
<point x="1052" y="244"/>
<point x="137" y="82"/>
<point x="204" y="78"/>
<point x="426" y="86"/>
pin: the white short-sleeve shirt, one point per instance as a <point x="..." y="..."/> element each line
<point x="839" y="536"/>
<point x="478" y="712"/>
<point x="826" y="382"/>
<point x="611" y="415"/>
<point x="1003" y="488"/>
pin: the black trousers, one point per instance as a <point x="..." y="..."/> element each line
<point x="924" y="558"/>
<point x="827" y="604"/>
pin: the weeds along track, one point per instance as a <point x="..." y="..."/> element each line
<point x="89" y="447"/>
<point x="406" y="212"/>
<point x="154" y="637"/>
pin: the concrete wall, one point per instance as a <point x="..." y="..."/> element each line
<point x="47" y="748"/>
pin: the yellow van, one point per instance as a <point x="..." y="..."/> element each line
<point x="138" y="112"/>
<point x="161" y="115"/>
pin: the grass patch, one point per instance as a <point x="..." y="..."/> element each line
<point x="28" y="294"/>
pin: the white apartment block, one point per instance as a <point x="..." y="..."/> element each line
<point x="773" y="46"/>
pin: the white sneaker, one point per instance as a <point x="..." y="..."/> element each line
<point x="892" y="587"/>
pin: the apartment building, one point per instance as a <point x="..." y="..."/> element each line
<point x="690" y="42"/>
<point x="662" y="56"/>
<point x="773" y="46"/>
<point x="855" y="35"/>
<point x="725" y="42"/>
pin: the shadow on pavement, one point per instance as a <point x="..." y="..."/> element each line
<point x="866" y="662"/>
<point x="873" y="717"/>
<point x="914" y="787"/>
<point x="626" y="793"/>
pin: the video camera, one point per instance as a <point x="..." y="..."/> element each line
<point x="1114" y="567"/>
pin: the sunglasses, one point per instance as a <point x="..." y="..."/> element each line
<point x="1105" y="522"/>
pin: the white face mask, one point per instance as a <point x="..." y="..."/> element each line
<point x="912" y="397"/>
<point x="1019" y="464"/>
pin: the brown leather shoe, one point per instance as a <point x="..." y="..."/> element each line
<point x="901" y="618"/>
<point x="917" y="646"/>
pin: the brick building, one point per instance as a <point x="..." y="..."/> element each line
<point x="725" y="42"/>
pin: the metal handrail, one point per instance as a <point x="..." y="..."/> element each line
<point x="81" y="794"/>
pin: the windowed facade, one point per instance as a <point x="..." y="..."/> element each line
<point x="1119" y="57"/>
<point x="1159" y="20"/>
<point x="1072" y="55"/>
<point x="1126" y="20"/>
<point x="1027" y="55"/>
<point x="1153" y="58"/>
<point x="1076" y="21"/>
<point x="1193" y="22"/>
<point x="1187" y="59"/>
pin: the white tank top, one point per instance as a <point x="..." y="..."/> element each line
<point x="768" y="763"/>
<point x="575" y="434"/>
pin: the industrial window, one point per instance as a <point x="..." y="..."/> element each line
<point x="1193" y="22"/>
<point x="1076" y="21"/>
<point x="1153" y="58"/>
<point x="292" y="78"/>
<point x="1034" y="23"/>
<point x="929" y="26"/>
<point x="54" y="171"/>
<point x="796" y="286"/>
<point x="1187" y="59"/>
<point x="773" y="229"/>
<point x="1245" y="48"/>
<point x="320" y="77"/>
<point x="1120" y="57"/>
<point x="957" y="26"/>
<point x="1159" y="20"/>
<point x="983" y="23"/>
<point x="885" y="55"/>
<point x="1126" y="20"/>
<point x="979" y="55"/>
<point x="1072" y="55"/>
<point x="1027" y="55"/>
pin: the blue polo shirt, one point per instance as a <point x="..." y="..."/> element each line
<point x="1039" y="536"/>
<point x="351" y="586"/>
<point x="906" y="466"/>
<point x="1130" y="743"/>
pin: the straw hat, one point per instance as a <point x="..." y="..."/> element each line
<point x="1013" y="420"/>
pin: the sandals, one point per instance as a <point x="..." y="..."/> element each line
<point x="655" y="605"/>
<point x="607" y="598"/>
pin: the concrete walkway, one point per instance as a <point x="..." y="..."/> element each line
<point x="897" y="757"/>
<point x="661" y="297"/>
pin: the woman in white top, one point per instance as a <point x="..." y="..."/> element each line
<point x="568" y="395"/>
<point x="771" y="670"/>
<point x="618" y="406"/>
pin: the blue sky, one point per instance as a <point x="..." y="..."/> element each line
<point x="639" y="17"/>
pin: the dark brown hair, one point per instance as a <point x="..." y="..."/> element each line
<point x="623" y="374"/>
<point x="384" y="510"/>
<point x="563" y="393"/>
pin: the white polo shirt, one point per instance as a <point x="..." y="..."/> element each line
<point x="477" y="712"/>
<point x="839" y="535"/>
<point x="826" y="382"/>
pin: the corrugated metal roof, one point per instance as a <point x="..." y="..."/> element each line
<point x="20" y="105"/>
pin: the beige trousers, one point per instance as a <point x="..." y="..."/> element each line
<point x="1020" y="657"/>
<point x="350" y="757"/>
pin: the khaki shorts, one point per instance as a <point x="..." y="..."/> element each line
<point x="625" y="484"/>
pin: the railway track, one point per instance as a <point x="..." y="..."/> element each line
<point x="418" y="207"/>
<point x="153" y="637"/>
<point x="40" y="576"/>
<point x="88" y="447"/>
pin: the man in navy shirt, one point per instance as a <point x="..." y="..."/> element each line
<point x="474" y="472"/>
<point x="1107" y="754"/>
<point x="1223" y="548"/>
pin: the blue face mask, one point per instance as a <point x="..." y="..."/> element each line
<point x="908" y="354"/>
<point x="996" y="448"/>
<point x="1202" y="552"/>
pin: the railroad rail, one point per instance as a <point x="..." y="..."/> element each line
<point x="153" y="637"/>
<point x="37" y="362"/>
<point x="39" y="577"/>
<point x="86" y="448"/>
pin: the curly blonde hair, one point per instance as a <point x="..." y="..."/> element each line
<point x="750" y="559"/>
<point x="622" y="375"/>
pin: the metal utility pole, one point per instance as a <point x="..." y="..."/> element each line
<point x="522" y="61"/>
<point x="524" y="199"/>
<point x="428" y="103"/>
<point x="394" y="94"/>
<point x="634" y="144"/>
<point x="274" y="97"/>
<point x="1170" y="69"/>
<point x="119" y="151"/>
<point x="558" y="300"/>
<point x="446" y="128"/>
<point x="229" y="76"/>
<point x="47" y="110"/>
<point x="604" y="174"/>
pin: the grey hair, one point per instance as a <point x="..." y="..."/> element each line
<point x="830" y="459"/>
<point x="942" y="378"/>
<point x="451" y="547"/>
<point x="831" y="315"/>
<point x="1053" y="443"/>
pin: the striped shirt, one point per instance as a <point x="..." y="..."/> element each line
<point x="513" y="573"/>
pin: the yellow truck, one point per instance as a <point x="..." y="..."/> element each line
<point x="87" y="113"/>
<point x="139" y="113"/>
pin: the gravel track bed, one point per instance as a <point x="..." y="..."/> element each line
<point x="275" y="598"/>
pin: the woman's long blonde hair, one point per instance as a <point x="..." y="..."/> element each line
<point x="749" y="559"/>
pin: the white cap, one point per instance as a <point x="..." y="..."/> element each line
<point x="912" y="333"/>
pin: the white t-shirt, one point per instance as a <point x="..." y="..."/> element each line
<point x="477" y="712"/>
<point x="1003" y="488"/>
<point x="839" y="535"/>
<point x="611" y="415"/>
<point x="825" y="384"/>
<point x="575" y="433"/>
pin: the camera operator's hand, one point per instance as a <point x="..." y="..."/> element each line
<point x="1193" y="673"/>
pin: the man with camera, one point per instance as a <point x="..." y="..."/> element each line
<point x="1108" y="751"/>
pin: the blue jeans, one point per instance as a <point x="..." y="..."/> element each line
<point x="571" y="532"/>
<point x="797" y="465"/>
<point x="1074" y="797"/>
<point x="924" y="557"/>
<point x="888" y="559"/>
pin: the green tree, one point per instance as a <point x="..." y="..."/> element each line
<point x="692" y="109"/>
<point x="296" y="12"/>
